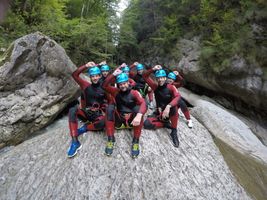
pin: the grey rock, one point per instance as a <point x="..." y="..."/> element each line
<point x="36" y="85"/>
<point x="241" y="81"/>
<point x="227" y="127"/>
<point x="39" y="168"/>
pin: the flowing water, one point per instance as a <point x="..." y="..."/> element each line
<point x="250" y="173"/>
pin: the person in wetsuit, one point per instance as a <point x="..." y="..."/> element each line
<point x="176" y="79"/>
<point x="95" y="100"/>
<point x="126" y="112"/>
<point x="167" y="97"/>
<point x="141" y="85"/>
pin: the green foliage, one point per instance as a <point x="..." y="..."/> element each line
<point x="83" y="27"/>
<point x="226" y="27"/>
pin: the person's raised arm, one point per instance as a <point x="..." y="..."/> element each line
<point x="179" y="82"/>
<point x="150" y="81"/>
<point x="76" y="75"/>
<point x="107" y="84"/>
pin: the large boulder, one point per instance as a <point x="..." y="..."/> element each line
<point x="227" y="127"/>
<point x="35" y="86"/>
<point x="241" y="81"/>
<point x="39" y="167"/>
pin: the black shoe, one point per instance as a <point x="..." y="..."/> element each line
<point x="174" y="138"/>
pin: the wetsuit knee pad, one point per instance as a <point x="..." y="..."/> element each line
<point x="72" y="113"/>
<point x="182" y="105"/>
<point x="110" y="112"/>
<point x="173" y="111"/>
<point x="100" y="124"/>
<point x="148" y="124"/>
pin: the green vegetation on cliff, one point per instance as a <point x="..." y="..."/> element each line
<point x="227" y="28"/>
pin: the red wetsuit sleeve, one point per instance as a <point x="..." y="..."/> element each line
<point x="175" y="93"/>
<point x="179" y="82"/>
<point x="108" y="87"/>
<point x="149" y="80"/>
<point x="132" y="82"/>
<point x="139" y="101"/>
<point x="76" y="75"/>
<point x="131" y="73"/>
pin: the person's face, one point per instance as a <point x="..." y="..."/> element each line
<point x="140" y="71"/>
<point x="170" y="81"/>
<point x="123" y="86"/>
<point x="161" y="80"/>
<point x="95" y="78"/>
<point x="105" y="73"/>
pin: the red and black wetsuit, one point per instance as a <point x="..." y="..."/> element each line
<point x="127" y="103"/>
<point x="179" y="82"/>
<point x="94" y="105"/>
<point x="140" y="85"/>
<point x="164" y="95"/>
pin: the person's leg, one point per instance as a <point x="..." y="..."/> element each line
<point x="173" y="126"/>
<point x="73" y="125"/>
<point x="110" y="128"/>
<point x="97" y="125"/>
<point x="153" y="123"/>
<point x="185" y="110"/>
<point x="135" y="143"/>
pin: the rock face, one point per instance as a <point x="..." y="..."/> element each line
<point x="243" y="81"/>
<point x="35" y="85"/>
<point x="227" y="127"/>
<point x="39" y="168"/>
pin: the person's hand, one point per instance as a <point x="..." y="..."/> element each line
<point x="137" y="120"/>
<point x="176" y="73"/>
<point x="123" y="65"/>
<point x="149" y="89"/>
<point x="136" y="63"/>
<point x="157" y="67"/>
<point x="103" y="63"/>
<point x="117" y="72"/>
<point x="90" y="64"/>
<point x="166" y="112"/>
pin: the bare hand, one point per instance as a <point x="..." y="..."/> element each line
<point x="137" y="120"/>
<point x="123" y="65"/>
<point x="166" y="112"/>
<point x="157" y="67"/>
<point x="103" y="63"/>
<point x="136" y="63"/>
<point x="90" y="64"/>
<point x="176" y="73"/>
<point x="117" y="72"/>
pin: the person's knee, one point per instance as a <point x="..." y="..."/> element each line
<point x="173" y="111"/>
<point x="100" y="125"/>
<point x="72" y="113"/>
<point x="148" y="124"/>
<point x="110" y="112"/>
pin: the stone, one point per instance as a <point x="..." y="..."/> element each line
<point x="39" y="168"/>
<point x="36" y="85"/>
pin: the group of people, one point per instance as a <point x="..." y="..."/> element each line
<point x="117" y="100"/>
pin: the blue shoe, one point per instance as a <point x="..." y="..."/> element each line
<point x="74" y="147"/>
<point x="135" y="149"/>
<point x="82" y="130"/>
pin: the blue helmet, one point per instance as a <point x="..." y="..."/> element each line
<point x="139" y="66"/>
<point x="122" y="78"/>
<point x="160" y="73"/>
<point x="105" y="68"/>
<point x="125" y="69"/>
<point x="172" y="76"/>
<point x="94" y="71"/>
